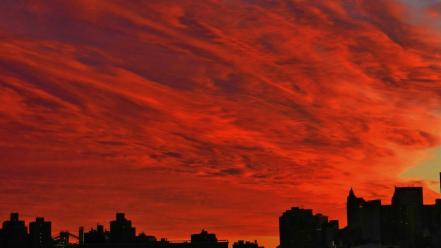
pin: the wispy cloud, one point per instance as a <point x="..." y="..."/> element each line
<point x="203" y="109"/>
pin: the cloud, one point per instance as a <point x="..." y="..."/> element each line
<point x="203" y="109"/>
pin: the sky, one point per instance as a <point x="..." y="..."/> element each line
<point x="215" y="114"/>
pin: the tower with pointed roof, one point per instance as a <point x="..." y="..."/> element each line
<point x="353" y="205"/>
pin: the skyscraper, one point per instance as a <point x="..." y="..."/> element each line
<point x="407" y="203"/>
<point x="300" y="228"/>
<point x="14" y="233"/>
<point x="364" y="219"/>
<point x="121" y="230"/>
<point x="40" y="233"/>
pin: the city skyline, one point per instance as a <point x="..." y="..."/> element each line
<point x="121" y="233"/>
<point x="363" y="223"/>
<point x="407" y="222"/>
<point x="216" y="114"/>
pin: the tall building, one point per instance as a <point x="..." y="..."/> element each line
<point x="14" y="233"/>
<point x="300" y="228"/>
<point x="406" y="223"/>
<point x="121" y="230"/>
<point x="353" y="204"/>
<point x="40" y="233"/>
<point x="407" y="204"/>
<point x="363" y="218"/>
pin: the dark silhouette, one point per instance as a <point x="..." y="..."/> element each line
<point x="301" y="228"/>
<point x="14" y="233"/>
<point x="246" y="244"/>
<point x="40" y="232"/>
<point x="406" y="223"/>
<point x="121" y="235"/>
<point x="95" y="236"/>
<point x="121" y="230"/>
<point x="205" y="240"/>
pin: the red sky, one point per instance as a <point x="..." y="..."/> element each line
<point x="213" y="114"/>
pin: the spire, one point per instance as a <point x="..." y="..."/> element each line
<point x="351" y="196"/>
<point x="351" y="193"/>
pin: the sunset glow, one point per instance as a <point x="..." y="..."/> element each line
<point x="215" y="114"/>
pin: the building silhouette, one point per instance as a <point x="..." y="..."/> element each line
<point x="364" y="219"/>
<point x="246" y="244"/>
<point x="95" y="236"/>
<point x="205" y="239"/>
<point x="122" y="234"/>
<point x="301" y="228"/>
<point x="406" y="223"/>
<point x="121" y="230"/>
<point x="40" y="232"/>
<point x="14" y="233"/>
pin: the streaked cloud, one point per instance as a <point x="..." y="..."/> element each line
<point x="215" y="114"/>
